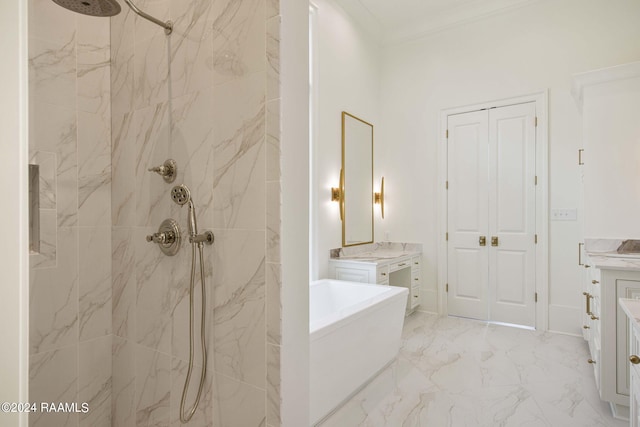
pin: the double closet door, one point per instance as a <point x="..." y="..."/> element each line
<point x="491" y="214"/>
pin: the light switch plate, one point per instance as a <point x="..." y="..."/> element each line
<point x="564" y="214"/>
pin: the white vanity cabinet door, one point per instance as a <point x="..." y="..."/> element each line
<point x="634" y="397"/>
<point x="382" y="275"/>
<point x="353" y="274"/>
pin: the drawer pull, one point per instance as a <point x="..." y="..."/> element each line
<point x="416" y="263"/>
<point x="586" y="327"/>
<point x="416" y="279"/>
<point x="415" y="296"/>
<point x="383" y="274"/>
<point x="595" y="282"/>
<point x="402" y="264"/>
<point x="593" y="317"/>
<point x="634" y="359"/>
<point x="593" y="362"/>
<point x="586" y="266"/>
<point x="588" y="300"/>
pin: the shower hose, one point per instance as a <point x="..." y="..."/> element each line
<point x="185" y="417"/>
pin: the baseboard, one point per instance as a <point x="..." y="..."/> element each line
<point x="565" y="319"/>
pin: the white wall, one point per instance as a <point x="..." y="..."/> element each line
<point x="14" y="320"/>
<point x="347" y="69"/>
<point x="523" y="51"/>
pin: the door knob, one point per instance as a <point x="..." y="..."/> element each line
<point x="494" y="240"/>
<point x="482" y="240"/>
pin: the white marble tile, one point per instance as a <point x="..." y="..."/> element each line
<point x="272" y="9"/>
<point x="52" y="71"/>
<point x="123" y="402"/>
<point x="153" y="387"/>
<point x="238" y="38"/>
<point x="191" y="46"/>
<point x="54" y="129"/>
<point x="123" y="171"/>
<point x="93" y="65"/>
<point x="94" y="381"/>
<point x="47" y="170"/>
<point x="237" y="404"/>
<point x="239" y="154"/>
<point x="94" y="291"/>
<point x="273" y="58"/>
<point x="274" y="399"/>
<point x="153" y="133"/>
<point x="154" y="296"/>
<point x="239" y="305"/>
<point x="151" y="56"/>
<point x="49" y="21"/>
<point x="180" y="286"/>
<point x="274" y="204"/>
<point x="123" y="272"/>
<point x="274" y="303"/>
<point x="122" y="65"/>
<point x="46" y="256"/>
<point x="273" y="140"/>
<point x="191" y="146"/>
<point x="94" y="144"/>
<point x="203" y="416"/>
<point x="94" y="200"/>
<point x="53" y="298"/>
<point x="53" y="377"/>
<point x="457" y="372"/>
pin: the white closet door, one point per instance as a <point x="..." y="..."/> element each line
<point x="512" y="214"/>
<point x="467" y="220"/>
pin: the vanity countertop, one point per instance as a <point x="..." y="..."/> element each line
<point x="631" y="307"/>
<point x="615" y="261"/>
<point x="376" y="257"/>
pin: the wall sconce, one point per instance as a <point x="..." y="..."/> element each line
<point x="378" y="198"/>
<point x="337" y="194"/>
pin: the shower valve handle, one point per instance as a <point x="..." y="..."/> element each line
<point x="168" y="170"/>
<point x="162" y="238"/>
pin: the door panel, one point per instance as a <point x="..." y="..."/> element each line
<point x="491" y="172"/>
<point x="467" y="214"/>
<point x="512" y="214"/>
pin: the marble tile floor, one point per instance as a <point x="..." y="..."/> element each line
<point x="460" y="372"/>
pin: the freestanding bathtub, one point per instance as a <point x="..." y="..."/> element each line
<point x="355" y="332"/>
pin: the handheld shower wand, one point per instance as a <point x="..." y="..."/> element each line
<point x="182" y="196"/>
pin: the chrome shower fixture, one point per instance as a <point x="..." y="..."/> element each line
<point x="182" y="196"/>
<point x="106" y="8"/>
<point x="168" y="170"/>
<point x="101" y="8"/>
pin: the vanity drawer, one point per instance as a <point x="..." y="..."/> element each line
<point x="415" y="278"/>
<point x="352" y="274"/>
<point x="415" y="297"/>
<point x="382" y="274"/>
<point x="416" y="262"/>
<point x="405" y="263"/>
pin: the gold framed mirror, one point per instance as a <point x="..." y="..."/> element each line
<point x="357" y="181"/>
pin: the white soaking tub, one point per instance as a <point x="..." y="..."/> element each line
<point x="355" y="332"/>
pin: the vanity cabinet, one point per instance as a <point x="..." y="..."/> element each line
<point x="632" y="310"/>
<point x="608" y="332"/>
<point x="401" y="271"/>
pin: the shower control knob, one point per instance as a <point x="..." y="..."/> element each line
<point x="168" y="170"/>
<point x="167" y="238"/>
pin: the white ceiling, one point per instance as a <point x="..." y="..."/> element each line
<point x="394" y="21"/>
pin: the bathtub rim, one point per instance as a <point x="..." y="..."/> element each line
<point x="351" y="313"/>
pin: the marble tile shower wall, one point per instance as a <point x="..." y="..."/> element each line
<point x="208" y="97"/>
<point x="70" y="296"/>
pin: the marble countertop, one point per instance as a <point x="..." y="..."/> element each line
<point x="376" y="256"/>
<point x="631" y="307"/>
<point x="615" y="261"/>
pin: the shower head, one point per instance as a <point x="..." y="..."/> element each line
<point x="91" y="7"/>
<point x="180" y="194"/>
